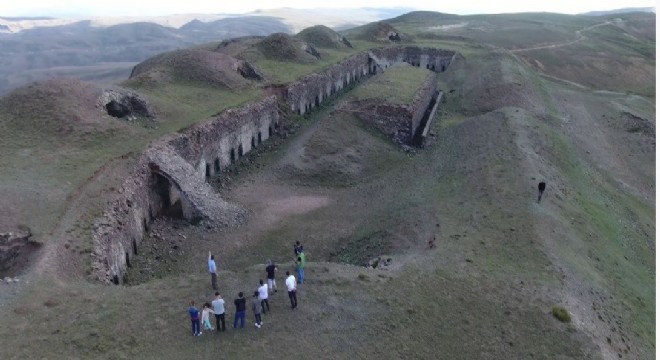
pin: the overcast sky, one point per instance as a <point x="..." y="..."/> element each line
<point x="165" y="7"/>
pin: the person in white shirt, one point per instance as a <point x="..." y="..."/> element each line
<point x="291" y="287"/>
<point x="263" y="296"/>
<point x="219" y="311"/>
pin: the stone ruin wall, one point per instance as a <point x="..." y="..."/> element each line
<point x="311" y="90"/>
<point x="173" y="169"/>
<point x="421" y="102"/>
<point x="398" y="121"/>
<point x="209" y="145"/>
<point x="437" y="60"/>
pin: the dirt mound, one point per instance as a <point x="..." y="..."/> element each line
<point x="379" y="32"/>
<point x="192" y="65"/>
<point x="52" y="107"/>
<point x="284" y="47"/>
<point x="324" y="37"/>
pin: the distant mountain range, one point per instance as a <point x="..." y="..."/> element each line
<point x="297" y="19"/>
<point x="620" y="11"/>
<point x="104" y="50"/>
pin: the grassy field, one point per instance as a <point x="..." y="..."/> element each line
<point x="397" y="86"/>
<point x="477" y="265"/>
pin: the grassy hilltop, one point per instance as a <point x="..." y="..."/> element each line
<point x="477" y="265"/>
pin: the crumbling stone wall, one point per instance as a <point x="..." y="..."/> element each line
<point x="209" y="145"/>
<point x="400" y="122"/>
<point x="172" y="172"/>
<point x="311" y="90"/>
<point x="437" y="60"/>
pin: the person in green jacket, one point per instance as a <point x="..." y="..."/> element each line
<point x="300" y="267"/>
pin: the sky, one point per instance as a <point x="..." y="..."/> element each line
<point x="165" y="7"/>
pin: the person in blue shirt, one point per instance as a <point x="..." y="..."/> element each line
<point x="194" y="318"/>
<point x="213" y="271"/>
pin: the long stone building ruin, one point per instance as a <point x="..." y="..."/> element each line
<point x="170" y="176"/>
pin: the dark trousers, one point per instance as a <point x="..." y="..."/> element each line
<point x="540" y="195"/>
<point x="220" y="318"/>
<point x="239" y="315"/>
<point x="264" y="305"/>
<point x="214" y="281"/>
<point x="294" y="300"/>
<point x="195" y="326"/>
<point x="257" y="318"/>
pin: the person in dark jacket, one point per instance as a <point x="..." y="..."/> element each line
<point x="541" y="190"/>
<point x="240" y="310"/>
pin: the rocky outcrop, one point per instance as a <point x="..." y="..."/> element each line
<point x="125" y="104"/>
<point x="15" y="247"/>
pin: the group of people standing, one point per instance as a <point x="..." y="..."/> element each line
<point x="259" y="302"/>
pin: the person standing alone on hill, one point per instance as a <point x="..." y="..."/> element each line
<point x="213" y="271"/>
<point x="541" y="190"/>
<point x="219" y="310"/>
<point x="270" y="270"/>
<point x="291" y="287"/>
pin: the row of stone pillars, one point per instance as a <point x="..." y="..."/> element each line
<point x="234" y="155"/>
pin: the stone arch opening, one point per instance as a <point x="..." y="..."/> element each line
<point x="145" y="225"/>
<point x="443" y="68"/>
<point x="240" y="150"/>
<point x="259" y="136"/>
<point x="253" y="143"/>
<point x="115" y="279"/>
<point x="169" y="196"/>
<point x="270" y="131"/>
<point x="208" y="170"/>
<point x="128" y="260"/>
<point x="216" y="165"/>
<point x="135" y="250"/>
<point x="232" y="155"/>
<point x="318" y="101"/>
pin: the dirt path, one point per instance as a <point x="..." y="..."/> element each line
<point x="578" y="37"/>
